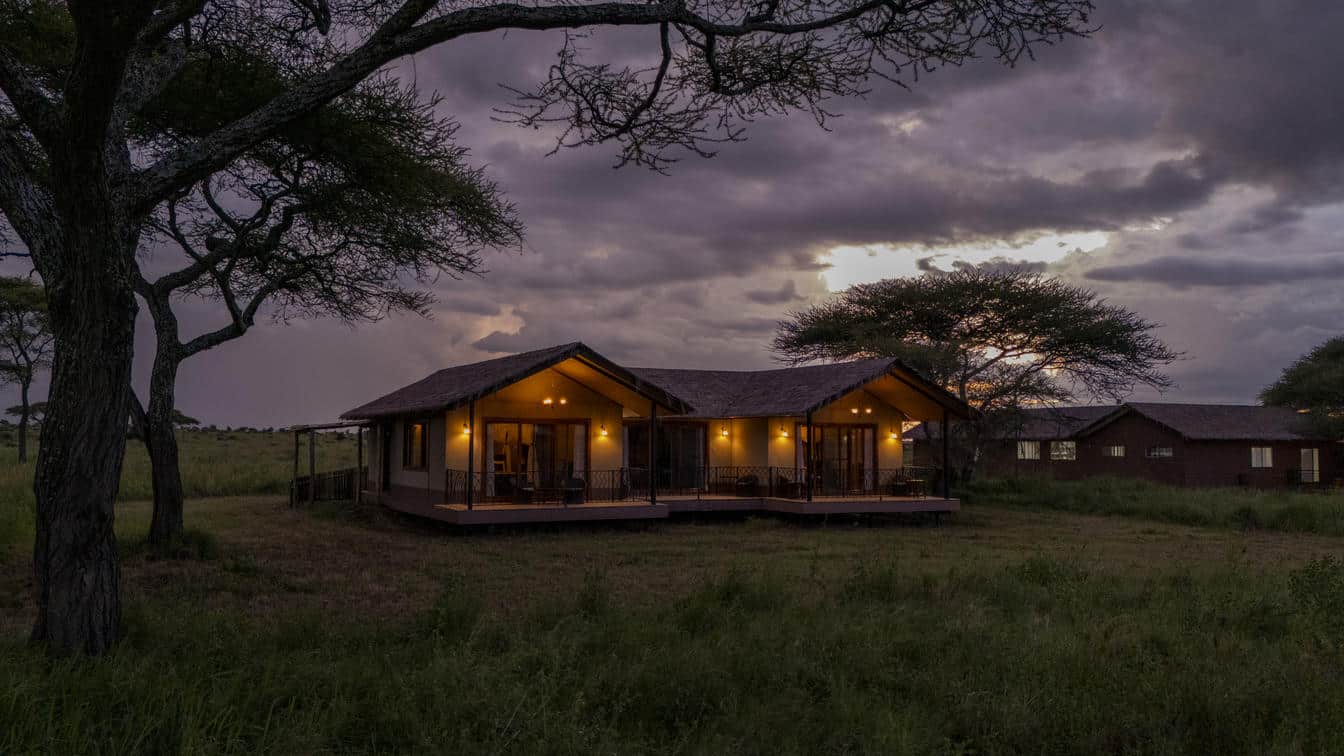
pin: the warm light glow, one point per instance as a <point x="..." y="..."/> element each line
<point x="564" y="400"/>
<point x="548" y="401"/>
<point x="782" y="432"/>
<point x="723" y="431"/>
<point x="604" y="430"/>
<point x="1304" y="411"/>
<point x="853" y="410"/>
<point x="867" y="410"/>
<point x="894" y="435"/>
<point x="466" y="429"/>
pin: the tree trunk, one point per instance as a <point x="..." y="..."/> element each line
<point x="92" y="309"/>
<point x="23" y="422"/>
<point x="161" y="442"/>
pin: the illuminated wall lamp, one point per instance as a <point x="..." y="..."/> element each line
<point x="723" y="431"/>
<point x="867" y="410"/>
<point x="783" y="433"/>
<point x="466" y="429"/>
<point x="548" y="401"/>
<point x="853" y="410"/>
<point x="564" y="400"/>
<point x="604" y="431"/>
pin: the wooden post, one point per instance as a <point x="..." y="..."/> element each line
<point x="808" y="456"/>
<point x="653" y="445"/>
<point x="359" y="464"/>
<point x="471" y="449"/>
<point x="947" y="461"/>
<point x="294" y="477"/>
<point x="312" y="466"/>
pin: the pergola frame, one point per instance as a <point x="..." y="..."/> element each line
<point x="312" y="430"/>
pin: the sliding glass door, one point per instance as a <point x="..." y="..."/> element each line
<point x="842" y="458"/>
<point x="542" y="455"/>
<point x="679" y="456"/>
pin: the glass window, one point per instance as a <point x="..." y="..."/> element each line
<point x="1113" y="451"/>
<point x="679" y="456"/>
<point x="413" y="452"/>
<point x="539" y="454"/>
<point x="1311" y="466"/>
<point x="1028" y="449"/>
<point x="1160" y="452"/>
<point x="1262" y="456"/>
<point x="1063" y="451"/>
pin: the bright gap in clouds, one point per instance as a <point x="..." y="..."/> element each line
<point x="847" y="266"/>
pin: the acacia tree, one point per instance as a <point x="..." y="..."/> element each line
<point x="998" y="339"/>
<point x="338" y="217"/>
<point x="77" y="186"/>
<point x="25" y="342"/>
<point x="1314" y="385"/>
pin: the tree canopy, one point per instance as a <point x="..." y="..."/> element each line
<point x="1314" y="385"/>
<point x="998" y="339"/>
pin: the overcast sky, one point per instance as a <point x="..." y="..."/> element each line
<point x="1187" y="162"/>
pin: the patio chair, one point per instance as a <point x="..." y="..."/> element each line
<point x="748" y="486"/>
<point x="572" y="491"/>
<point x="523" y="491"/>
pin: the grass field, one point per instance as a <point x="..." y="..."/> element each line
<point x="214" y="463"/>
<point x="1014" y="629"/>
<point x="1288" y="511"/>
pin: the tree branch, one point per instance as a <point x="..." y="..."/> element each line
<point x="37" y="111"/>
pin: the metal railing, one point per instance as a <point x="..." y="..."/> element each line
<point x="566" y="488"/>
<point x="336" y="485"/>
<point x="561" y="487"/>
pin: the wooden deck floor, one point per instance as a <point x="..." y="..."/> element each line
<point x="427" y="504"/>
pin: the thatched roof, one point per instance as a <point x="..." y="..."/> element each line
<point x="682" y="393"/>
<point x="455" y="386"/>
<point x="780" y="392"/>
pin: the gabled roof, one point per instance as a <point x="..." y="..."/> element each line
<point x="1034" y="423"/>
<point x="1194" y="422"/>
<point x="455" y="386"/>
<point x="786" y="391"/>
<point x="1216" y="422"/>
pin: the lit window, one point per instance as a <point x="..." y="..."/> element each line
<point x="1311" y="466"/>
<point x="413" y="451"/>
<point x="1028" y="449"/>
<point x="1113" y="451"/>
<point x="1063" y="451"/>
<point x="1262" y="456"/>
<point x="1160" y="452"/>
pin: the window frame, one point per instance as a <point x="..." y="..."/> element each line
<point x="1262" y="457"/>
<point x="1021" y="445"/>
<point x="1106" y="451"/>
<point x="1315" y="470"/>
<point x="1057" y="449"/>
<point x="406" y="462"/>
<point x="1149" y="452"/>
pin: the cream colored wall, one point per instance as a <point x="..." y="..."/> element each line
<point x="884" y="416"/>
<point x="747" y="443"/>
<point x="432" y="476"/>
<point x="523" y="401"/>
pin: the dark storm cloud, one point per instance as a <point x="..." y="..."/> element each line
<point x="1224" y="272"/>
<point x="783" y="295"/>
<point x="1202" y="134"/>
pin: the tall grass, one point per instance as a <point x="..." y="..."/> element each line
<point x="1042" y="657"/>
<point x="1218" y="507"/>
<point x="213" y="463"/>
